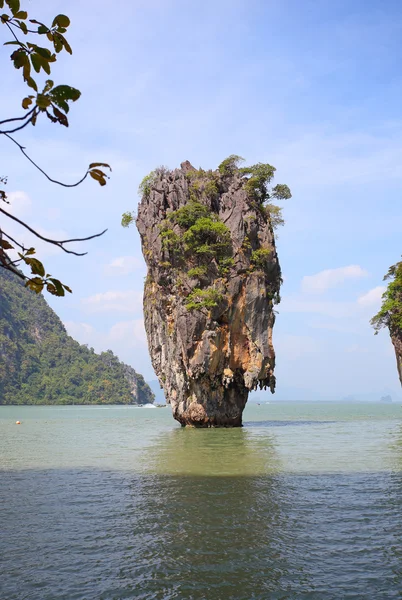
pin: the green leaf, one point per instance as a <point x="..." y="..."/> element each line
<point x="61" y="21"/>
<point x="1" y="3"/>
<point x="6" y="245"/>
<point x="58" y="46"/>
<point x="58" y="285"/>
<point x="44" y="52"/>
<point x="46" y="66"/>
<point x="14" y="5"/>
<point x="26" y="103"/>
<point x="92" y="165"/>
<point x="32" y="84"/>
<point x="67" y="289"/>
<point x="98" y="176"/>
<point x="19" y="58"/>
<point x="5" y="17"/>
<point x="21" y="14"/>
<point x="62" y="104"/>
<point x="61" y="117"/>
<point x="13" y="44"/>
<point x="64" y="42"/>
<point x="48" y="86"/>
<point x="35" y="284"/>
<point x="37" y="267"/>
<point x="36" y="62"/>
<point x="24" y="27"/>
<point x="67" y="46"/>
<point x="30" y="251"/>
<point x="43" y="101"/>
<point x="62" y="94"/>
<point x="42" y="29"/>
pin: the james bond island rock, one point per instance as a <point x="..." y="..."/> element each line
<point x="213" y="279"/>
<point x="390" y="314"/>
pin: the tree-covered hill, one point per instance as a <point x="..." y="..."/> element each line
<point x="41" y="364"/>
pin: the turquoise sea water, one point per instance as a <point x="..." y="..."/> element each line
<point x="303" y="502"/>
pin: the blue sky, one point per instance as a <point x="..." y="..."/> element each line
<point x="312" y="87"/>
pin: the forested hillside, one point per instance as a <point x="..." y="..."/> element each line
<point x="41" y="364"/>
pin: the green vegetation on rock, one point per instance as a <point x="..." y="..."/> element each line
<point x="390" y="313"/>
<point x="144" y="189"/>
<point x="260" y="257"/>
<point x="199" y="298"/>
<point x="209" y="237"/>
<point x="41" y="364"/>
<point x="188" y="215"/>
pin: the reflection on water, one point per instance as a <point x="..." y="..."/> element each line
<point x="213" y="452"/>
<point x="149" y="511"/>
<point x="99" y="535"/>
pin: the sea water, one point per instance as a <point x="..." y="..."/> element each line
<point x="110" y="503"/>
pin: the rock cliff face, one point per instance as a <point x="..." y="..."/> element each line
<point x="213" y="279"/>
<point x="397" y="342"/>
<point x="390" y="313"/>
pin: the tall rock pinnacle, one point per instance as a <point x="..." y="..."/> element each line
<point x="213" y="279"/>
<point x="390" y="313"/>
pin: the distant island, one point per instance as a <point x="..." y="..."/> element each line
<point x="41" y="364"/>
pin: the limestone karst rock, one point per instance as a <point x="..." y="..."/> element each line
<point x="213" y="279"/>
<point x="390" y="313"/>
<point x="397" y="342"/>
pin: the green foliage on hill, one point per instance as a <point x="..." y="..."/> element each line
<point x="41" y="364"/>
<point x="390" y="313"/>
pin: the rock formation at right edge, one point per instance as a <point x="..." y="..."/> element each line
<point x="390" y="314"/>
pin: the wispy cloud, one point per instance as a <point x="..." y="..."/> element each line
<point x="330" y="278"/>
<point x="20" y="203"/>
<point x="114" y="301"/>
<point x="372" y="297"/>
<point x="124" y="265"/>
<point x="295" y="346"/>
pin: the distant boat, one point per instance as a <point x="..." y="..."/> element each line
<point x="148" y="405"/>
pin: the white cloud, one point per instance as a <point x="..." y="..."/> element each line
<point x="357" y="349"/>
<point x="331" y="278"/>
<point x="372" y="297"/>
<point x="299" y="304"/>
<point x="127" y="334"/>
<point x="82" y="332"/>
<point x="129" y="301"/>
<point x="20" y="204"/>
<point x="132" y="333"/>
<point x="295" y="346"/>
<point x="123" y="265"/>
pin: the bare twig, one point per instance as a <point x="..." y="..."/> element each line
<point x="3" y="233"/>
<point x="18" y="128"/>
<point x="18" y="118"/>
<point x="58" y="243"/>
<point x="66" y="185"/>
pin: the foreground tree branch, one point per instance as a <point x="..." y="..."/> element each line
<point x="52" y="102"/>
